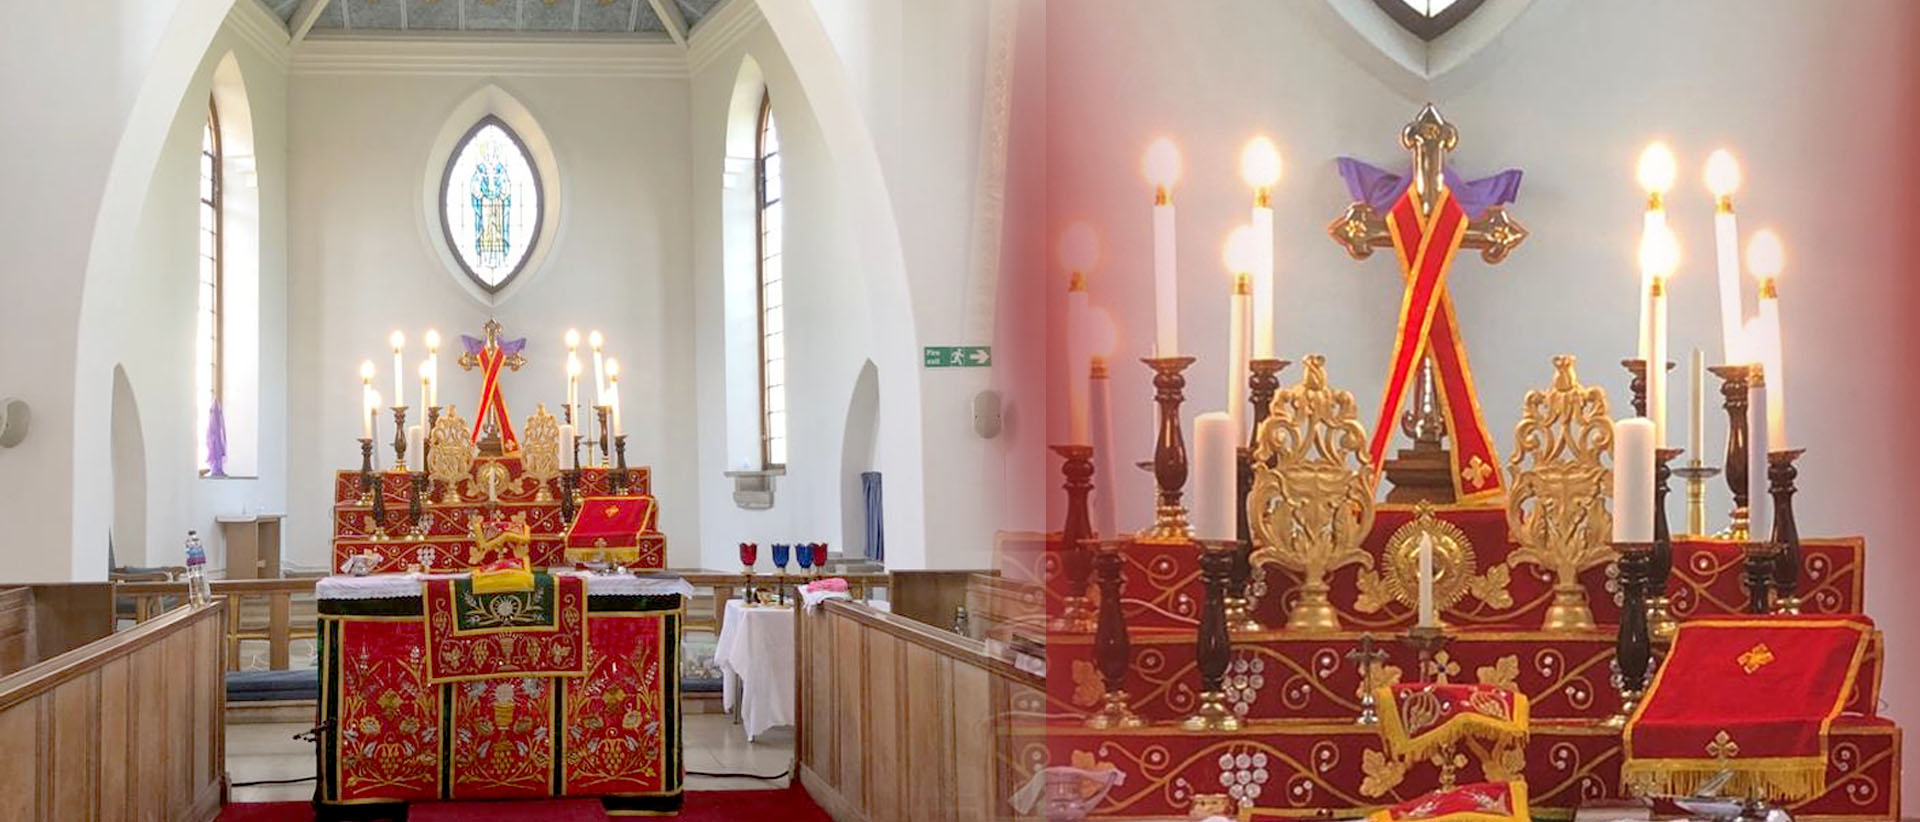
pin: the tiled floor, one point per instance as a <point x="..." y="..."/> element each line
<point x="713" y="745"/>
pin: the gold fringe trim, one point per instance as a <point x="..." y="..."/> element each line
<point x="1785" y="778"/>
<point x="1501" y="733"/>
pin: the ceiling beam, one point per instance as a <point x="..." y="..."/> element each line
<point x="669" y="13"/>
<point x="303" y="19"/>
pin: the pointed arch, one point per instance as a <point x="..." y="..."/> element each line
<point x="236" y="320"/>
<point x="741" y="260"/>
<point x="491" y="105"/>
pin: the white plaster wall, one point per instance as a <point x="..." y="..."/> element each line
<point x="364" y="262"/>
<point x="829" y="319"/>
<point x="1817" y="101"/>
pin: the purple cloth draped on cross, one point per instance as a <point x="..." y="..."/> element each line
<point x="1379" y="188"/>
<point x="216" y="440"/>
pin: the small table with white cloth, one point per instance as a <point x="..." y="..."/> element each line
<point x="756" y="658"/>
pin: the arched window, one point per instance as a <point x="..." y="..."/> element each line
<point x="491" y="203"/>
<point x="773" y="338"/>
<point x="210" y="430"/>
<point x="1428" y="19"/>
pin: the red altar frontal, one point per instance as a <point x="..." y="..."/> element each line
<point x="1300" y="753"/>
<point x="429" y="691"/>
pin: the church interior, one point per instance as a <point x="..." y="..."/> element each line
<point x="1400" y="410"/>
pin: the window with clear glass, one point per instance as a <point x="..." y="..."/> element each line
<point x="490" y="204"/>
<point x="773" y="338"/>
<point x="209" y="437"/>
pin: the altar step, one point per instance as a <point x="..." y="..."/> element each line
<point x="1315" y="769"/>
<point x="1294" y="675"/>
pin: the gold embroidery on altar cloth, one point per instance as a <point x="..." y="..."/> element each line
<point x="1757" y="657"/>
<point x="1723" y="746"/>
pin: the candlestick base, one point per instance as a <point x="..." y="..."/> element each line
<point x="1212" y="715"/>
<point x="1114" y="714"/>
<point x="1314" y="611"/>
<point x="1076" y="616"/>
<point x="1240" y="616"/>
<point x="1426" y="641"/>
<point x="1661" y="625"/>
<point x="1169" y="527"/>
<point x="1696" y="476"/>
<point x="1569" y="612"/>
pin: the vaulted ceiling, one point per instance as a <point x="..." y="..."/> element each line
<point x="510" y="16"/>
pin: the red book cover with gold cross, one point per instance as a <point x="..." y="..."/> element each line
<point x="608" y="529"/>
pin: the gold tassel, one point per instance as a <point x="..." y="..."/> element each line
<point x="1789" y="778"/>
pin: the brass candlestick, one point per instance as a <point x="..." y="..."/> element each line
<point x="400" y="439"/>
<point x="366" y="470"/>
<point x="1786" y="533"/>
<point x="1112" y="648"/>
<point x="1169" y="452"/>
<point x="1633" y="649"/>
<point x="620" y="477"/>
<point x="1367" y="656"/>
<point x="1660" y="621"/>
<point x="1263" y="380"/>
<point x="1076" y="555"/>
<point x="1212" y="647"/>
<point x="1696" y="474"/>
<point x="1733" y="393"/>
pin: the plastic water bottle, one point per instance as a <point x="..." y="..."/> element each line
<point x="198" y="590"/>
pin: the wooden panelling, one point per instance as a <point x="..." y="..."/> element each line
<point x="899" y="721"/>
<point x="930" y="597"/>
<point x="69" y="615"/>
<point x="999" y="607"/>
<point x="16" y="629"/>
<point x="128" y="727"/>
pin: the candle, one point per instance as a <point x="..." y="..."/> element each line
<point x="613" y="395"/>
<point x="1078" y="251"/>
<point x="366" y="398"/>
<point x="1216" y="476"/>
<point x="433" y="369"/>
<point x="373" y="421"/>
<point x="1655" y="173"/>
<point x="1723" y="178"/>
<point x="1697" y="418"/>
<point x="573" y="386"/>
<point x="1260" y="168"/>
<point x="594" y="340"/>
<point x="1105" y="519"/>
<point x="1759" y="503"/>
<point x="426" y="386"/>
<point x="1241" y="255"/>
<point x="1658" y="258"/>
<point x="416" y="437"/>
<point x="1163" y="169"/>
<point x="566" y="447"/>
<point x="1425" y="550"/>
<point x="1767" y="257"/>
<point x="1633" y="481"/>
<point x="399" y="341"/>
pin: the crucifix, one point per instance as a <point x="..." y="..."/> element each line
<point x="492" y="428"/>
<point x="1426" y="217"/>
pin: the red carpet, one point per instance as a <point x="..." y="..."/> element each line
<point x="787" y="805"/>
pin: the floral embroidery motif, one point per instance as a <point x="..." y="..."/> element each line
<point x="1723" y="746"/>
<point x="1757" y="657"/>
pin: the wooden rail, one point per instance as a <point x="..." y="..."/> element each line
<point x="153" y="598"/>
<point x="128" y="726"/>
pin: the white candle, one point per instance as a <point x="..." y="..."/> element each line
<point x="1768" y="348"/>
<point x="1238" y="338"/>
<point x="1723" y="178"/>
<point x="573" y="386"/>
<point x="1105" y="519"/>
<point x="1697" y="415"/>
<point x="1658" y="258"/>
<point x="1425" y="551"/>
<point x="1216" y="476"/>
<point x="1759" y="504"/>
<point x="366" y="412"/>
<point x="1633" y="480"/>
<point x="433" y="369"/>
<point x="373" y="422"/>
<point x="416" y="438"/>
<point x="566" y="447"/>
<point x="594" y="340"/>
<point x="1078" y="358"/>
<point x="426" y="386"/>
<point x="399" y="341"/>
<point x="1655" y="172"/>
<point x="1260" y="168"/>
<point x="1163" y="168"/>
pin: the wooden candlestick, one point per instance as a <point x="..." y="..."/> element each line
<point x="602" y="411"/>
<point x="400" y="439"/>
<point x="1426" y="641"/>
<point x="1757" y="560"/>
<point x="1786" y="533"/>
<point x="1633" y="649"/>
<point x="379" y="504"/>
<point x="414" y="482"/>
<point x="1733" y="394"/>
<point x="1263" y="380"/>
<point x="1660" y="620"/>
<point x="1638" y="385"/>
<point x="569" y="481"/>
<point x="426" y="437"/>
<point x="1169" y="452"/>
<point x="366" y="470"/>
<point x="1112" y="648"/>
<point x="1212" y="646"/>
<point x="620" y="477"/>
<point x="1076" y="556"/>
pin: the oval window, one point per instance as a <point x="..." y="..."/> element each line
<point x="490" y="208"/>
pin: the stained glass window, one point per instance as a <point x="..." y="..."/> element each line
<point x="490" y="203"/>
<point x="773" y="337"/>
<point x="206" y="338"/>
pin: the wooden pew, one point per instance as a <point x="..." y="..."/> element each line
<point x="128" y="726"/>
<point x="902" y="722"/>
<point x="152" y="598"/>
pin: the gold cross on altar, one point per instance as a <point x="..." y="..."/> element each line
<point x="1361" y="229"/>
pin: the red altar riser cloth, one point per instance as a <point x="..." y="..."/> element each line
<point x="612" y="733"/>
<point x="1281" y="675"/>
<point x="1162" y="582"/>
<point x="452" y="520"/>
<point x="1313" y="767"/>
<point x="542" y="552"/>
<point x="593" y="482"/>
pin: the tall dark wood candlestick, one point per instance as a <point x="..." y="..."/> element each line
<point x="575" y="445"/>
<point x="602" y="411"/>
<point x="1786" y="533"/>
<point x="379" y="505"/>
<point x="426" y="436"/>
<point x="366" y="470"/>
<point x="400" y="439"/>
<point x="1757" y="566"/>
<point x="569" y="480"/>
<point x="1633" y="649"/>
<point x="620" y="477"/>
<point x="416" y="483"/>
<point x="1660" y="621"/>
<point x="1076" y="556"/>
<point x="1733" y="393"/>
<point x="1169" y="452"/>
<point x="1112" y="648"/>
<point x="1212" y="646"/>
<point x="1263" y="380"/>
